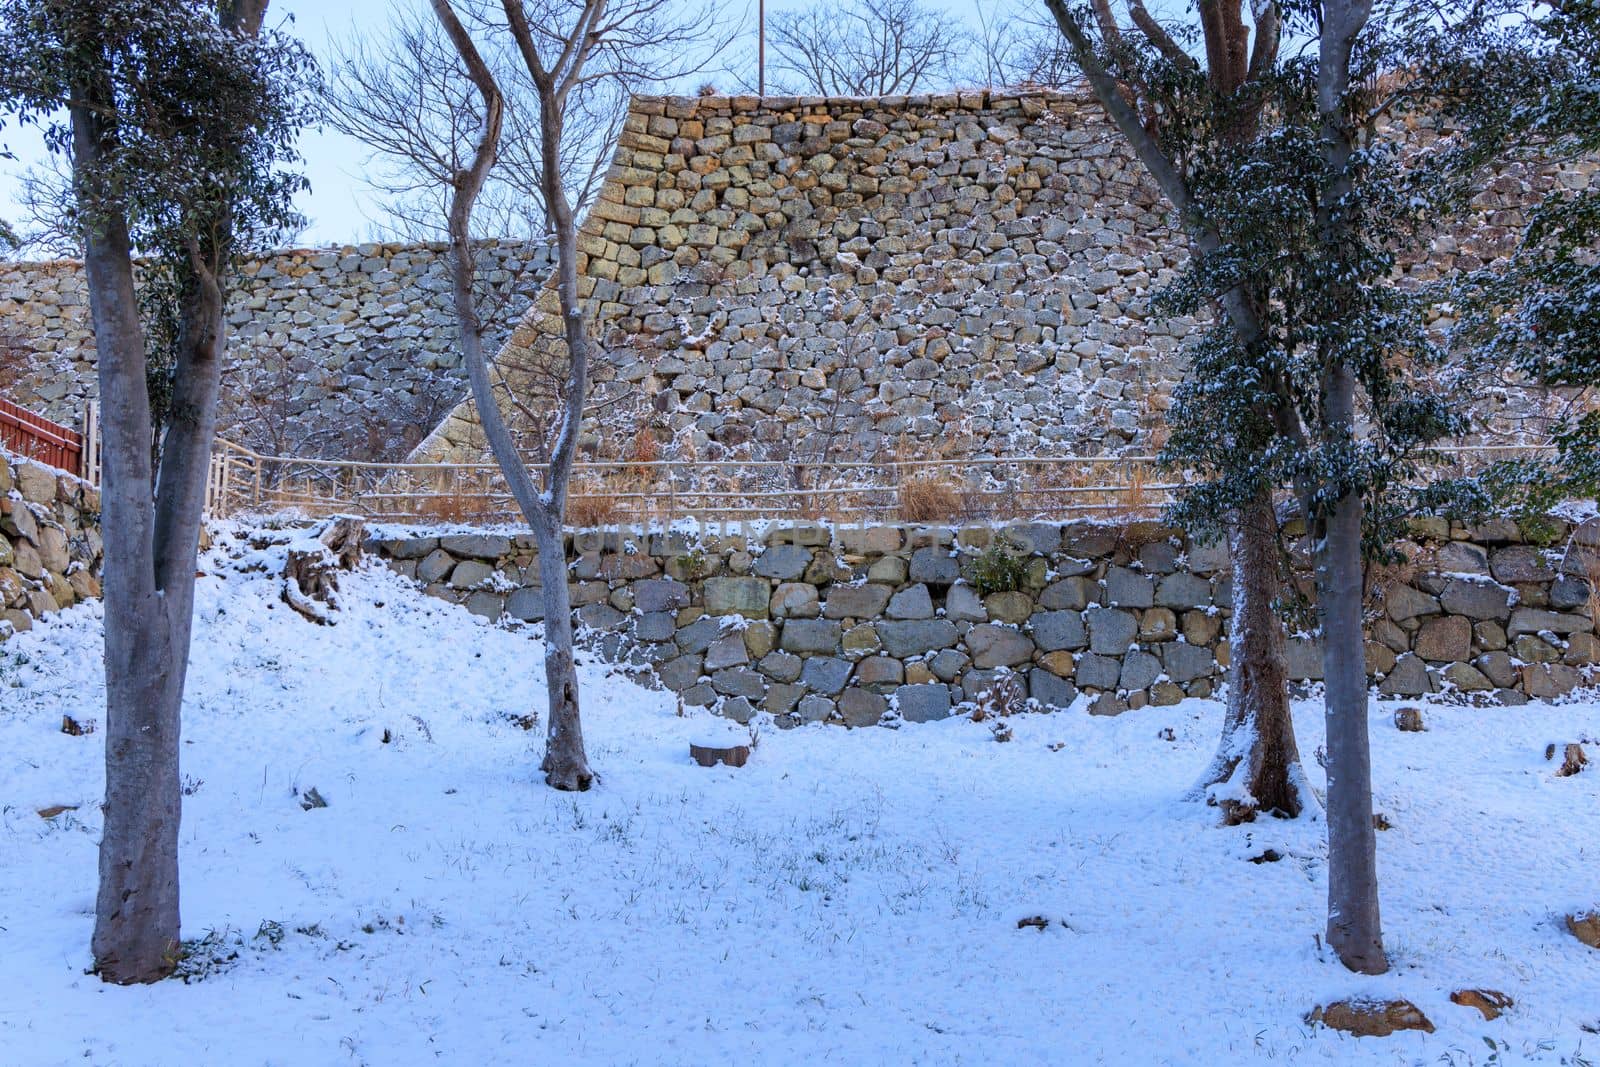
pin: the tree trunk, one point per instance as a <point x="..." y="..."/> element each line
<point x="565" y="765"/>
<point x="1257" y="766"/>
<point x="1354" y="928"/>
<point x="136" y="935"/>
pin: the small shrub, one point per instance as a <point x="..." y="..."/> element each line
<point x="997" y="570"/>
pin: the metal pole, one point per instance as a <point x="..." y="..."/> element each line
<point x="761" y="47"/>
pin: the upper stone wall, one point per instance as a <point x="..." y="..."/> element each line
<point x="781" y="278"/>
<point x="347" y="351"/>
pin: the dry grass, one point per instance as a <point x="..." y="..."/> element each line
<point x="592" y="503"/>
<point x="927" y="497"/>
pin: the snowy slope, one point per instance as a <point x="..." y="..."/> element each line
<point x="849" y="897"/>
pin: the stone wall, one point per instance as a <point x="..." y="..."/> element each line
<point x="848" y="625"/>
<point x="49" y="542"/>
<point x="967" y="274"/>
<point x="345" y="352"/>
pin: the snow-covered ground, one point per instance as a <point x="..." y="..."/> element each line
<point x="849" y="897"/>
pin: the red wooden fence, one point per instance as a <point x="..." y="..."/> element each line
<point x="27" y="434"/>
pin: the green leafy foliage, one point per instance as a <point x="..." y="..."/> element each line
<point x="998" y="570"/>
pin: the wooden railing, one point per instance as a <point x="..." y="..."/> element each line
<point x="36" y="437"/>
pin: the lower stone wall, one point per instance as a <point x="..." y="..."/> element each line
<point x="50" y="545"/>
<point x="851" y="625"/>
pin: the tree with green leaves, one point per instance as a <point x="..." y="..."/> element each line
<point x="1299" y="191"/>
<point x="178" y="118"/>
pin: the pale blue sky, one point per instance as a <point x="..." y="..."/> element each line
<point x="340" y="206"/>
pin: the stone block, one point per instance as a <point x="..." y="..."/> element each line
<point x="811" y="636"/>
<point x="781" y="666"/>
<point x="861" y="707"/>
<point x="923" y="703"/>
<point x="528" y="605"/>
<point x="783" y="562"/>
<point x="1012" y="607"/>
<point x="681" y="673"/>
<point x="1402" y="602"/>
<point x="1476" y="600"/>
<point x="961" y="604"/>
<point x="825" y="674"/>
<point x="1183" y="590"/>
<point x="727" y="651"/>
<point x="1111" y="630"/>
<point x="913" y="602"/>
<point x="794" y="600"/>
<point x="1070" y="594"/>
<point x="1098" y="672"/>
<point x="1054" y="630"/>
<point x="1051" y="691"/>
<point x="915" y="637"/>
<point x="738" y="596"/>
<point x="660" y="594"/>
<point x="1409" y="678"/>
<point x="815" y="708"/>
<point x="476" y="546"/>
<point x="875" y="672"/>
<point x="1520" y="563"/>
<point x="1139" y="671"/>
<point x="998" y="646"/>
<point x="1183" y="662"/>
<point x="1445" y="639"/>
<point x="934" y="565"/>
<point x="1128" y="588"/>
<point x="1533" y="621"/>
<point x="856" y="601"/>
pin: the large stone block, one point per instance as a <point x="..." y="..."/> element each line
<point x="856" y="601"/>
<point x="1445" y="639"/>
<point x="811" y="636"/>
<point x="738" y="596"/>
<point x="915" y="637"/>
<point x="1476" y="600"/>
<point x="1049" y="690"/>
<point x="998" y="646"/>
<point x="783" y="562"/>
<point x="825" y="674"/>
<point x="1183" y="590"/>
<point x="1111" y="630"/>
<point x="913" y="602"/>
<point x="923" y="703"/>
<point x="934" y="565"/>
<point x="1054" y="630"/>
<point x="1128" y="588"/>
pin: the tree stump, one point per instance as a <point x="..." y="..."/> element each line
<point x="711" y="755"/>
<point x="311" y="572"/>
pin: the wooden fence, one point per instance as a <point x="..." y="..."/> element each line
<point x="36" y="437"/>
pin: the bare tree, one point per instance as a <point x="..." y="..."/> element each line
<point x="408" y="98"/>
<point x="1014" y="47"/>
<point x="865" y="47"/>
<point x="567" y="48"/>
<point x="176" y="117"/>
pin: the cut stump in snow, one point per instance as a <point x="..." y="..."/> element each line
<point x="1491" y="1002"/>
<point x="1409" y="721"/>
<point x="56" y="809"/>
<point x="311" y="575"/>
<point x="1370" y="1018"/>
<point x="1585" y="926"/>
<point x="711" y="755"/>
<point x="1572" y="759"/>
